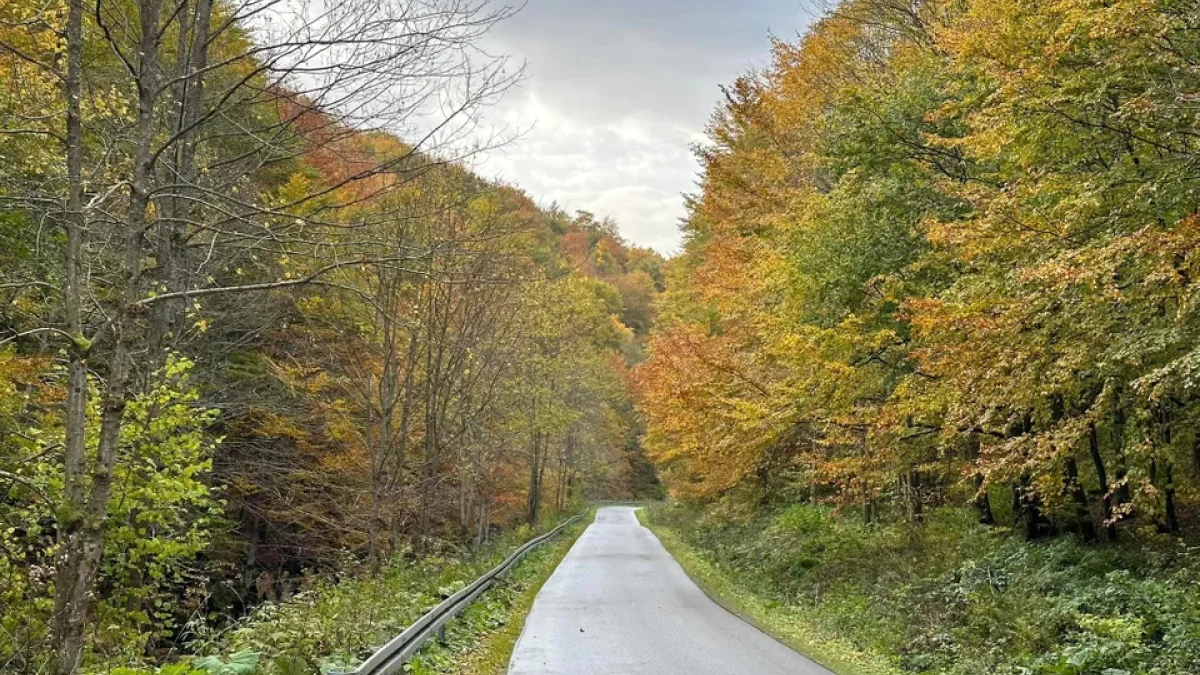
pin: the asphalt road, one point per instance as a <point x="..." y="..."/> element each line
<point x="619" y="604"/>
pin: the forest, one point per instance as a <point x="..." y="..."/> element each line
<point x="926" y="370"/>
<point x="278" y="367"/>
<point x="262" y="328"/>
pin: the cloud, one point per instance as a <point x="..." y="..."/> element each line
<point x="617" y="92"/>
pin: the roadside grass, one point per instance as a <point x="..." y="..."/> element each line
<point x="481" y="641"/>
<point x="787" y="624"/>
<point x="946" y="596"/>
<point x="338" y="622"/>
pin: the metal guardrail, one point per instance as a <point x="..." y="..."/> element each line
<point x="390" y="658"/>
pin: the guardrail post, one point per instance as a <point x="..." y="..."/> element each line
<point x="441" y="634"/>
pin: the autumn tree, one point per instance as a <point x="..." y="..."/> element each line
<point x="159" y="171"/>
<point x="942" y="254"/>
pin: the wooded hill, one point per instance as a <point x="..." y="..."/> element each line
<point x="944" y="253"/>
<point x="259" y="322"/>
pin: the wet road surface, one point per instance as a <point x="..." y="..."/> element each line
<point x="619" y="604"/>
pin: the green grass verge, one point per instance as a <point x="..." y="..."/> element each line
<point x="789" y="625"/>
<point x="481" y="641"/>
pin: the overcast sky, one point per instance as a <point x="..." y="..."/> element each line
<point x="615" y="93"/>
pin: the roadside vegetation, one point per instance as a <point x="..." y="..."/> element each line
<point x="337" y="623"/>
<point x="790" y="623"/>
<point x="949" y="597"/>
<point x="924" y="374"/>
<point x="483" y="643"/>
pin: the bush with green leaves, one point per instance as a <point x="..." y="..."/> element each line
<point x="162" y="514"/>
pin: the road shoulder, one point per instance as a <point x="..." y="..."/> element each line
<point x="475" y="650"/>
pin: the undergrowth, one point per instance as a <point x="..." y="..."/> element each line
<point x="336" y="624"/>
<point x="947" y="597"/>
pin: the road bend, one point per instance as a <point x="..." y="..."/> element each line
<point x="619" y="604"/>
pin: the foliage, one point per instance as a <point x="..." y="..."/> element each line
<point x="251" y="338"/>
<point x="241" y="663"/>
<point x="949" y="596"/>
<point x="942" y="254"/>
<point x="163" y="515"/>
<point x="336" y="624"/>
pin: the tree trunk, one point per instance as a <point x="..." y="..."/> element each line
<point x="1170" y="520"/>
<point x="534" y="502"/>
<point x="983" y="504"/>
<point x="914" y="486"/>
<point x="868" y="505"/>
<point x="433" y="394"/>
<point x="1083" y="512"/>
<point x="541" y="478"/>
<point x="382" y="459"/>
<point x="1172" y="514"/>
<point x="83" y="542"/>
<point x="481" y="523"/>
<point x="1196" y="458"/>
<point x="70" y="601"/>
<point x="192" y="59"/>
<point x="1118" y="438"/>
<point x="1109" y="526"/>
<point x="1027" y="508"/>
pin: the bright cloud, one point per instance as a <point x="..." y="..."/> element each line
<point x="616" y="94"/>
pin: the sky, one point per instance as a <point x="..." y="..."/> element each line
<point x="615" y="94"/>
